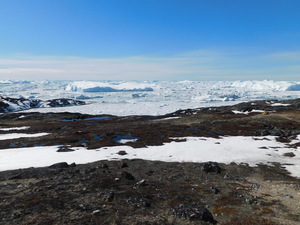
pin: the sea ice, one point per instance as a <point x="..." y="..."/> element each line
<point x="127" y="97"/>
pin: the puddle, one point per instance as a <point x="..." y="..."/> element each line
<point x="86" y="119"/>
<point x="83" y="141"/>
<point x="99" y="137"/>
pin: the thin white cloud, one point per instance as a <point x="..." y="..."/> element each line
<point x="285" y="56"/>
<point x="197" y="65"/>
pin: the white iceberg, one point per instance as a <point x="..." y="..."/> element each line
<point x="89" y="86"/>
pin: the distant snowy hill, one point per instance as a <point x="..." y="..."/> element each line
<point x="17" y="104"/>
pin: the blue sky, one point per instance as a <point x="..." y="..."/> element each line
<point x="150" y="39"/>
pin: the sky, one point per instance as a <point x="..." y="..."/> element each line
<point x="150" y="40"/>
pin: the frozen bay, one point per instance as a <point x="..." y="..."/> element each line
<point x="123" y="98"/>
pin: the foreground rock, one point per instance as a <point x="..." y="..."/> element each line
<point x="172" y="193"/>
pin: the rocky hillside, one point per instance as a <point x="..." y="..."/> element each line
<point x="18" y="104"/>
<point x="96" y="131"/>
<point x="145" y="192"/>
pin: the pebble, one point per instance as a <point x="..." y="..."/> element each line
<point x="96" y="212"/>
<point x="288" y="196"/>
<point x="141" y="183"/>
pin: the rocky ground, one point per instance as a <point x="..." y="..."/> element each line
<point x="150" y="192"/>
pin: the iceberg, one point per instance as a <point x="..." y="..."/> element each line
<point x="89" y="86"/>
<point x="267" y="85"/>
<point x="294" y="87"/>
<point x="14" y="82"/>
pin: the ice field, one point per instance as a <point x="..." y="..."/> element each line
<point x="148" y="97"/>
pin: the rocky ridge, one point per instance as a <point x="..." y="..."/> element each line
<point x="8" y="104"/>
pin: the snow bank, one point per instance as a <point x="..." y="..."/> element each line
<point x="89" y="86"/>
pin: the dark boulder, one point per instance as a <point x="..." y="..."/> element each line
<point x="65" y="149"/>
<point x="124" y="165"/>
<point x="103" y="166"/>
<point x="122" y="152"/>
<point x="15" y="177"/>
<point x="108" y="196"/>
<point x="90" y="170"/>
<point x="60" y="165"/>
<point x="73" y="164"/>
<point x="127" y="176"/>
<point x="214" y="190"/>
<point x="211" y="167"/>
<point x="150" y="172"/>
<point x="289" y="154"/>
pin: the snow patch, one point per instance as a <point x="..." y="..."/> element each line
<point x="247" y="112"/>
<point x="167" y="118"/>
<point x="14" y="128"/>
<point x="20" y="135"/>
<point x="240" y="149"/>
<point x="279" y="104"/>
